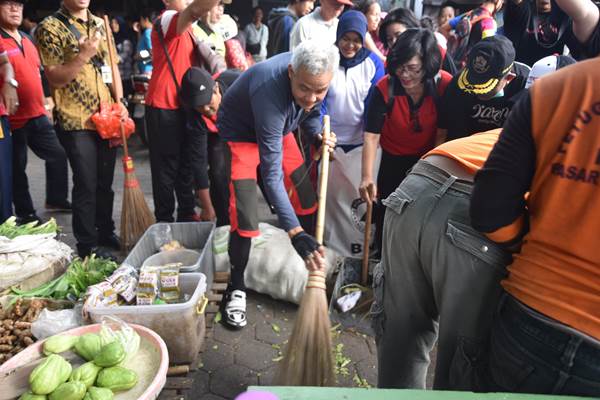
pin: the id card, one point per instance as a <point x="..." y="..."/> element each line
<point x="106" y="74"/>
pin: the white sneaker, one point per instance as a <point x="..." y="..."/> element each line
<point x="234" y="310"/>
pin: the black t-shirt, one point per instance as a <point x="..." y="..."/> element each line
<point x="521" y="22"/>
<point x="507" y="173"/>
<point x="198" y="133"/>
<point x="592" y="47"/>
<point x="464" y="114"/>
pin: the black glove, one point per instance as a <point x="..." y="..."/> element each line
<point x="304" y="244"/>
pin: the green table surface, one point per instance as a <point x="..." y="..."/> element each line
<point x="315" y="393"/>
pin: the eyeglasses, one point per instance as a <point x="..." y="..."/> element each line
<point x="413" y="70"/>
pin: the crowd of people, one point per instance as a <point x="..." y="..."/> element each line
<point x="477" y="141"/>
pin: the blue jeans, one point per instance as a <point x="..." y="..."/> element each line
<point x="533" y="354"/>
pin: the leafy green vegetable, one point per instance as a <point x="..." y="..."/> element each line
<point x="11" y="230"/>
<point x="74" y="282"/>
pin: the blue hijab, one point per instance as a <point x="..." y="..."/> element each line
<point x="353" y="21"/>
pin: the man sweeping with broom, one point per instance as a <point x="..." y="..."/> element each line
<point x="256" y="118"/>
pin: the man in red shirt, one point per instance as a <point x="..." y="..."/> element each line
<point x="166" y="120"/>
<point x="8" y="102"/>
<point x="30" y="124"/>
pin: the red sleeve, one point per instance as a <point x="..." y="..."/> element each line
<point x="2" y="49"/>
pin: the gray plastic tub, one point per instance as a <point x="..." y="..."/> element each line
<point x="192" y="235"/>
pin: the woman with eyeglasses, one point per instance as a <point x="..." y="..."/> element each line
<point x="402" y="116"/>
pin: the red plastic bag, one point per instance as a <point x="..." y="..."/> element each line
<point x="108" y="122"/>
<point x="235" y="56"/>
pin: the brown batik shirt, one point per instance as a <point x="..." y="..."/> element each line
<point x="78" y="100"/>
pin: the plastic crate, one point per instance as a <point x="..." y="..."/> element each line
<point x="182" y="326"/>
<point x="192" y="235"/>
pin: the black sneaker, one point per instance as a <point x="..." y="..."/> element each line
<point x="233" y="309"/>
<point x="28" y="218"/>
<point x="84" y="251"/>
<point x="112" y="241"/>
<point x="63" y="206"/>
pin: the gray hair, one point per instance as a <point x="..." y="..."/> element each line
<point x="315" y="57"/>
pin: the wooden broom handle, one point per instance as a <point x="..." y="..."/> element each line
<point x="323" y="178"/>
<point x="118" y="89"/>
<point x="366" y="243"/>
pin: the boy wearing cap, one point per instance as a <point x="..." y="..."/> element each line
<point x="202" y="95"/>
<point x="481" y="96"/>
<point x="320" y="24"/>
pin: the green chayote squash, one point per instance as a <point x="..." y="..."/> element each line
<point x="110" y="355"/>
<point x="69" y="391"/>
<point x="87" y="373"/>
<point x="97" y="393"/>
<point x="31" y="396"/>
<point x="88" y="346"/>
<point x="59" y="343"/>
<point x="47" y="376"/>
<point x="117" y="379"/>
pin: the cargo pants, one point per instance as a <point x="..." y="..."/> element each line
<point x="438" y="279"/>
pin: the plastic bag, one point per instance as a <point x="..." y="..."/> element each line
<point x="51" y="323"/>
<point x="108" y="122"/>
<point x="162" y="234"/>
<point x="115" y="329"/>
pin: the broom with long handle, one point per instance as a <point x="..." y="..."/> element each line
<point x="136" y="216"/>
<point x="308" y="360"/>
<point x="366" y="244"/>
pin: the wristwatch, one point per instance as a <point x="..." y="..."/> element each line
<point x="124" y="102"/>
<point x="13" y="82"/>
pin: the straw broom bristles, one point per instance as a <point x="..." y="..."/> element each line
<point x="136" y="216"/>
<point x="309" y="359"/>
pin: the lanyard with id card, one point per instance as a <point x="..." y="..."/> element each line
<point x="106" y="74"/>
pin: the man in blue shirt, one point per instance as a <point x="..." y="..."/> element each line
<point x="256" y="118"/>
<point x="144" y="62"/>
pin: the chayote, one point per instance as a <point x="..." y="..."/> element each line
<point x="88" y="346"/>
<point x="59" y="343"/>
<point x="110" y="355"/>
<point x="47" y="376"/>
<point x="98" y="393"/>
<point x="31" y="396"/>
<point x="87" y="373"/>
<point x="117" y="379"/>
<point x="69" y="391"/>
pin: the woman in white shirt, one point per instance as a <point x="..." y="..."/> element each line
<point x="257" y="36"/>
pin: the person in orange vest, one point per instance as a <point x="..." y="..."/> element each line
<point x="546" y="334"/>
